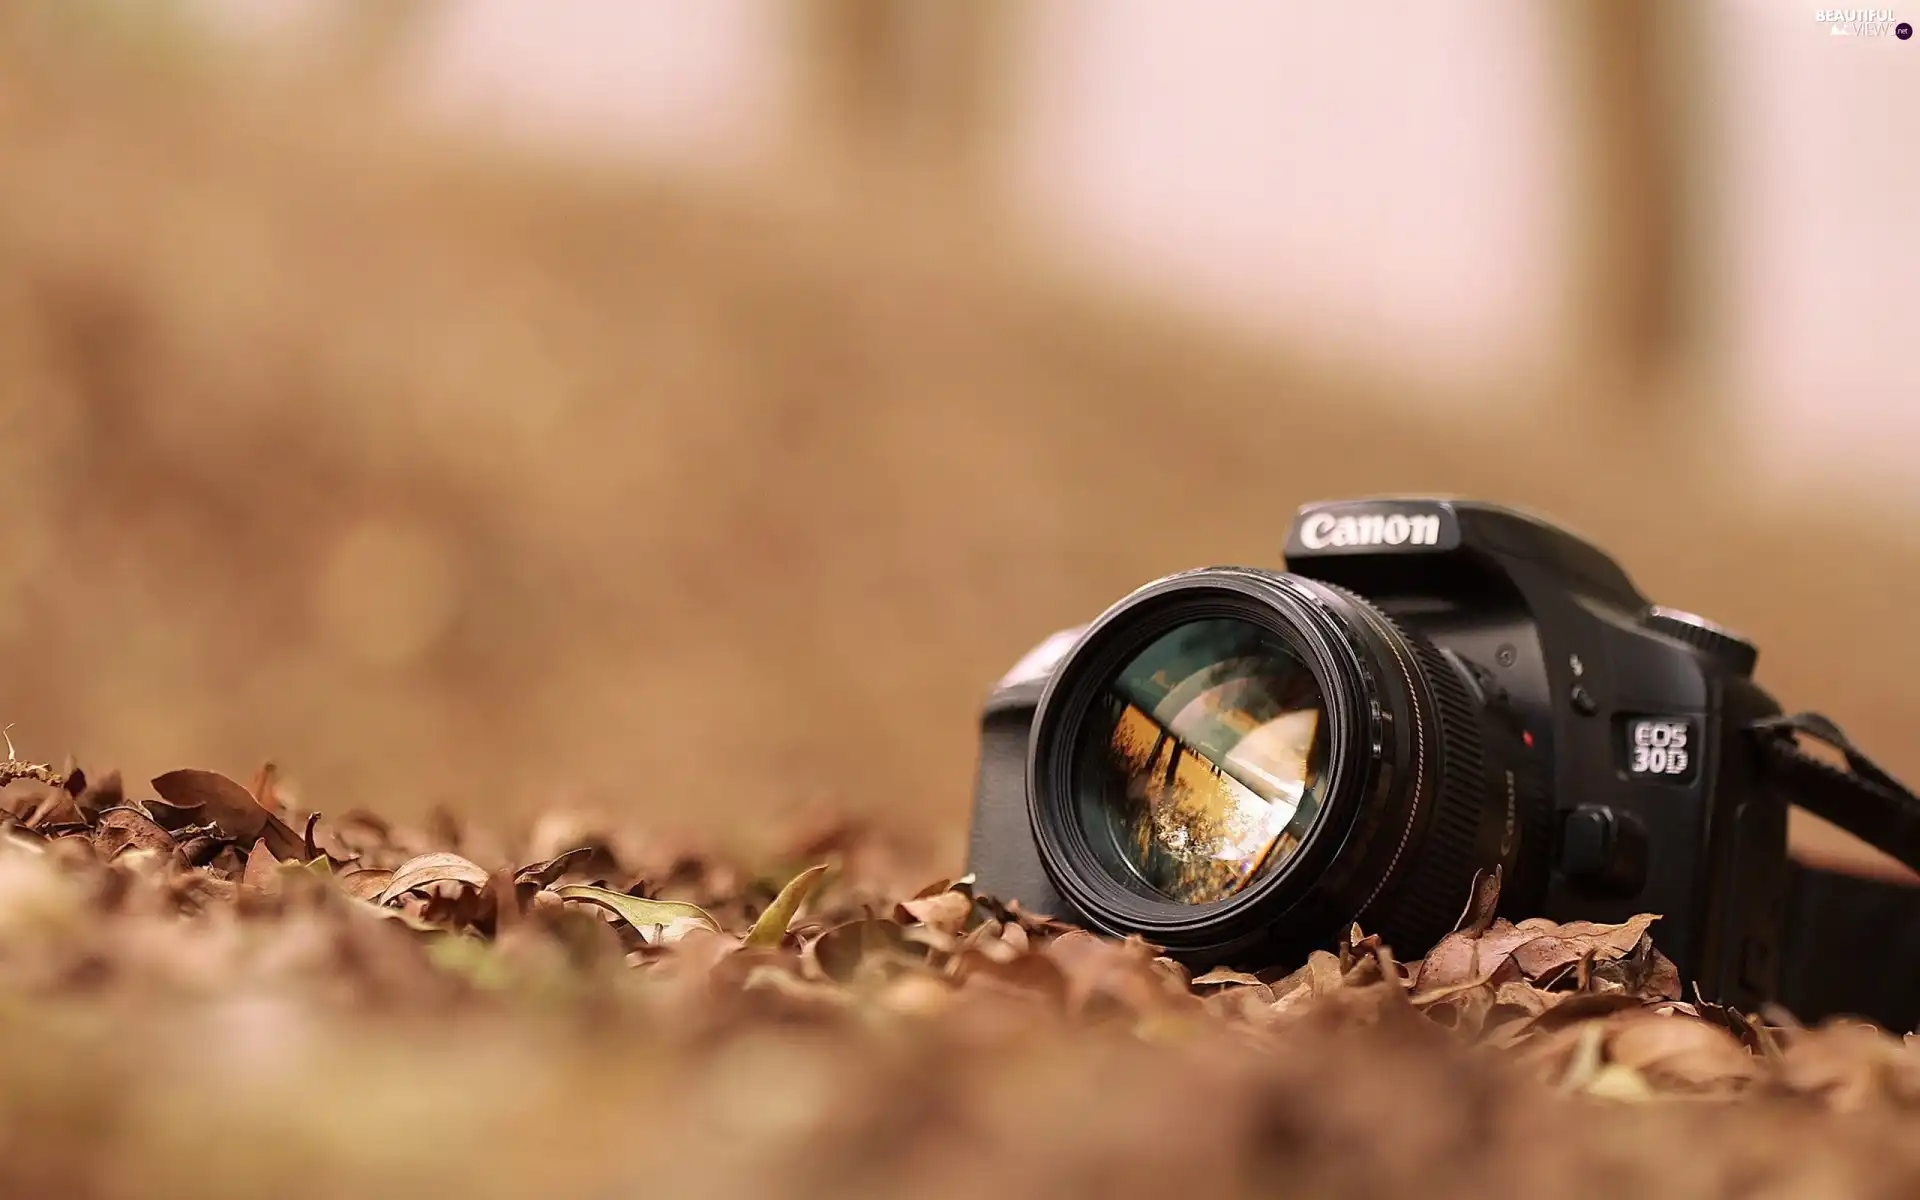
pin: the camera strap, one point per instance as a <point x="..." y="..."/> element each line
<point x="1864" y="800"/>
<point x="1851" y="944"/>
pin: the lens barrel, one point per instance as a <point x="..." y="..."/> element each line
<point x="1236" y="765"/>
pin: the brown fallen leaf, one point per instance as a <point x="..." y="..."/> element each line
<point x="405" y="917"/>
<point x="199" y="849"/>
<point x="1482" y="901"/>
<point x="366" y="883"/>
<point x="264" y="791"/>
<point x="1680" y="1052"/>
<point x="1325" y="973"/>
<point x="839" y="952"/>
<point x="465" y="908"/>
<point x="231" y="807"/>
<point x="1464" y="1009"/>
<point x="934" y="889"/>
<point x="1015" y="936"/>
<point x="1504" y="976"/>
<point x="1523" y="1000"/>
<point x="945" y="911"/>
<point x="1035" y="975"/>
<point x="1109" y="978"/>
<point x="545" y="873"/>
<point x="198" y="888"/>
<point x="1464" y="956"/>
<point x="785" y="985"/>
<point x="1242" y="1003"/>
<point x="176" y="817"/>
<point x="916" y="995"/>
<point x="1222" y="975"/>
<point x="1542" y="955"/>
<point x="1579" y="1006"/>
<point x="426" y="870"/>
<point x="53" y="809"/>
<point x="1616" y="1081"/>
<point x="100" y="795"/>
<point x="228" y="861"/>
<point x="502" y="902"/>
<point x="263" y="870"/>
<point x="1846" y="1065"/>
<point x="123" y="829"/>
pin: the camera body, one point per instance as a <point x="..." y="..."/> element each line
<point x="1610" y="725"/>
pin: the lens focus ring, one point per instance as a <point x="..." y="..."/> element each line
<point x="1426" y="902"/>
<point x="1427" y="887"/>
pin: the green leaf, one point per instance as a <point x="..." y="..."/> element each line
<point x="772" y="925"/>
<point x="650" y="917"/>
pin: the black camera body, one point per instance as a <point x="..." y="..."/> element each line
<point x="1490" y="692"/>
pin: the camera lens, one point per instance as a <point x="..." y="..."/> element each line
<point x="1202" y="769"/>
<point x="1236" y="765"/>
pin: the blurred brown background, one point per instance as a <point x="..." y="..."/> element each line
<point x="691" y="409"/>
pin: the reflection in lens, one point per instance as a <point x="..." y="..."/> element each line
<point x="1202" y="771"/>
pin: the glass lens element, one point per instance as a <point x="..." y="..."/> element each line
<point x="1201" y="770"/>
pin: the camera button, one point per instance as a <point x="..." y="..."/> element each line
<point x="1604" y="850"/>
<point x="1582" y="701"/>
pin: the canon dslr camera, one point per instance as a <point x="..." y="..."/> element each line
<point x="1236" y="764"/>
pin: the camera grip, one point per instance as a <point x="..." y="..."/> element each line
<point x="1001" y="852"/>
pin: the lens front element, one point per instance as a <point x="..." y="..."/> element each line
<point x="1201" y="770"/>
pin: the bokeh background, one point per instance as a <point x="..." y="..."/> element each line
<point x="689" y="410"/>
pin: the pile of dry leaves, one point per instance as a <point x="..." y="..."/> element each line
<point x="205" y="992"/>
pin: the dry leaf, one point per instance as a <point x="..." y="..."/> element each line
<point x="263" y="869"/>
<point x="264" y="792"/>
<point x="945" y="911"/>
<point x="54" y="808"/>
<point x="176" y="817"/>
<point x="229" y="806"/>
<point x="1483" y="900"/>
<point x="1465" y="956"/>
<point x="1542" y="955"/>
<point x="1677" y="1051"/>
<point x="426" y="870"/>
<point x="839" y="951"/>
<point x="654" y="920"/>
<point x="544" y="874"/>
<point x="1618" y="1082"/>
<point x="1034" y="975"/>
<point x="1223" y="975"/>
<point x="126" y="828"/>
<point x="772" y="924"/>
<point x="365" y="883"/>
<point x="99" y="796"/>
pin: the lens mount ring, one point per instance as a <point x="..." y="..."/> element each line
<point x="1369" y="708"/>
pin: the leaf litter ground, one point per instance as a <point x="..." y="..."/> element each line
<point x="204" y="992"/>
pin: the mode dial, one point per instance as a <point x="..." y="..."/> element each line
<point x="1723" y="645"/>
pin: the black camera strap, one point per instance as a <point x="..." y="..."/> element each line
<point x="1865" y="800"/>
<point x="1851" y="944"/>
